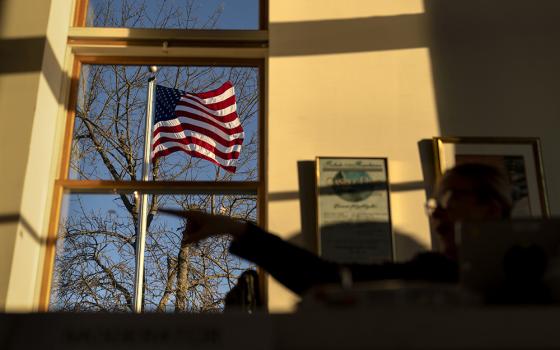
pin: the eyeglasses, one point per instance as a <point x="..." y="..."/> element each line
<point x="431" y="206"/>
<point x="444" y="202"/>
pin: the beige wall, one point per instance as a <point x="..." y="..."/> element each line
<point x="372" y="78"/>
<point x="33" y="39"/>
<point x="349" y="78"/>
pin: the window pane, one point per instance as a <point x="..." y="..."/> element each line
<point x="94" y="266"/>
<point x="192" y="278"/>
<point x="95" y="259"/>
<point x="108" y="137"/>
<point x="174" y="14"/>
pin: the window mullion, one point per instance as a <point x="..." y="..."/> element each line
<point x="105" y="186"/>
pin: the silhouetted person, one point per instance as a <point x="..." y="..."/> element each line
<point x="468" y="192"/>
<point x="245" y="295"/>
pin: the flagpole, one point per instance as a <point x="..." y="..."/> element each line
<point x="143" y="211"/>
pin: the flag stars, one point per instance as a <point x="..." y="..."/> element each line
<point x="166" y="99"/>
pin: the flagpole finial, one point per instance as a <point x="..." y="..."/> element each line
<point x="153" y="69"/>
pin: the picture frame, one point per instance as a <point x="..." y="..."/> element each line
<point x="353" y="210"/>
<point x="519" y="157"/>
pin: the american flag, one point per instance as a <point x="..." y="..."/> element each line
<point x="203" y="125"/>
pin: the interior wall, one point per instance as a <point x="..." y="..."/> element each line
<point x="374" y="78"/>
<point x="353" y="79"/>
<point x="496" y="73"/>
<point x="33" y="42"/>
<point x="22" y="40"/>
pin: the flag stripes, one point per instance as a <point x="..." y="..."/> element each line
<point x="222" y="109"/>
<point x="223" y="155"/>
<point x="203" y="125"/>
<point x="196" y="131"/>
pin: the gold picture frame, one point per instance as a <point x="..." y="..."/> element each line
<point x="519" y="157"/>
<point x="353" y="210"/>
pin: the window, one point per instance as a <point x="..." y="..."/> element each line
<point x="95" y="260"/>
<point x="95" y="211"/>
<point x="108" y="135"/>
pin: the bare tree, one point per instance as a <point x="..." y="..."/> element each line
<point x="94" y="268"/>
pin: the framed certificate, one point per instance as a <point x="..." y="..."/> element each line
<point x="519" y="158"/>
<point x="353" y="210"/>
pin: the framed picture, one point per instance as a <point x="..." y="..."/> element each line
<point x="519" y="158"/>
<point x="353" y="210"/>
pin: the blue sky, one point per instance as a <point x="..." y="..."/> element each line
<point x="237" y="14"/>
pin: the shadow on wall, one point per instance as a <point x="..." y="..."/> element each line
<point x="19" y="219"/>
<point x="29" y="55"/>
<point x="348" y="35"/>
<point x="496" y="72"/>
<point x="495" y="66"/>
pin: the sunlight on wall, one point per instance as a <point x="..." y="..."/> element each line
<point x="313" y="10"/>
<point x="36" y="162"/>
<point x="354" y="93"/>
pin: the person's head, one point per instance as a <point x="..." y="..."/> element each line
<point x="468" y="192"/>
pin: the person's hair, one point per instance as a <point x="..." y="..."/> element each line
<point x="489" y="183"/>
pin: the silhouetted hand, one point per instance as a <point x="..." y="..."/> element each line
<point x="201" y="225"/>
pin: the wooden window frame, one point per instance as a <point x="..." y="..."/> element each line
<point x="87" y="40"/>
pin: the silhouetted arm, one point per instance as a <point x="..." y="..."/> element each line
<point x="299" y="270"/>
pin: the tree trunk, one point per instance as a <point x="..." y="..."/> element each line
<point x="182" y="278"/>
<point x="171" y="273"/>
